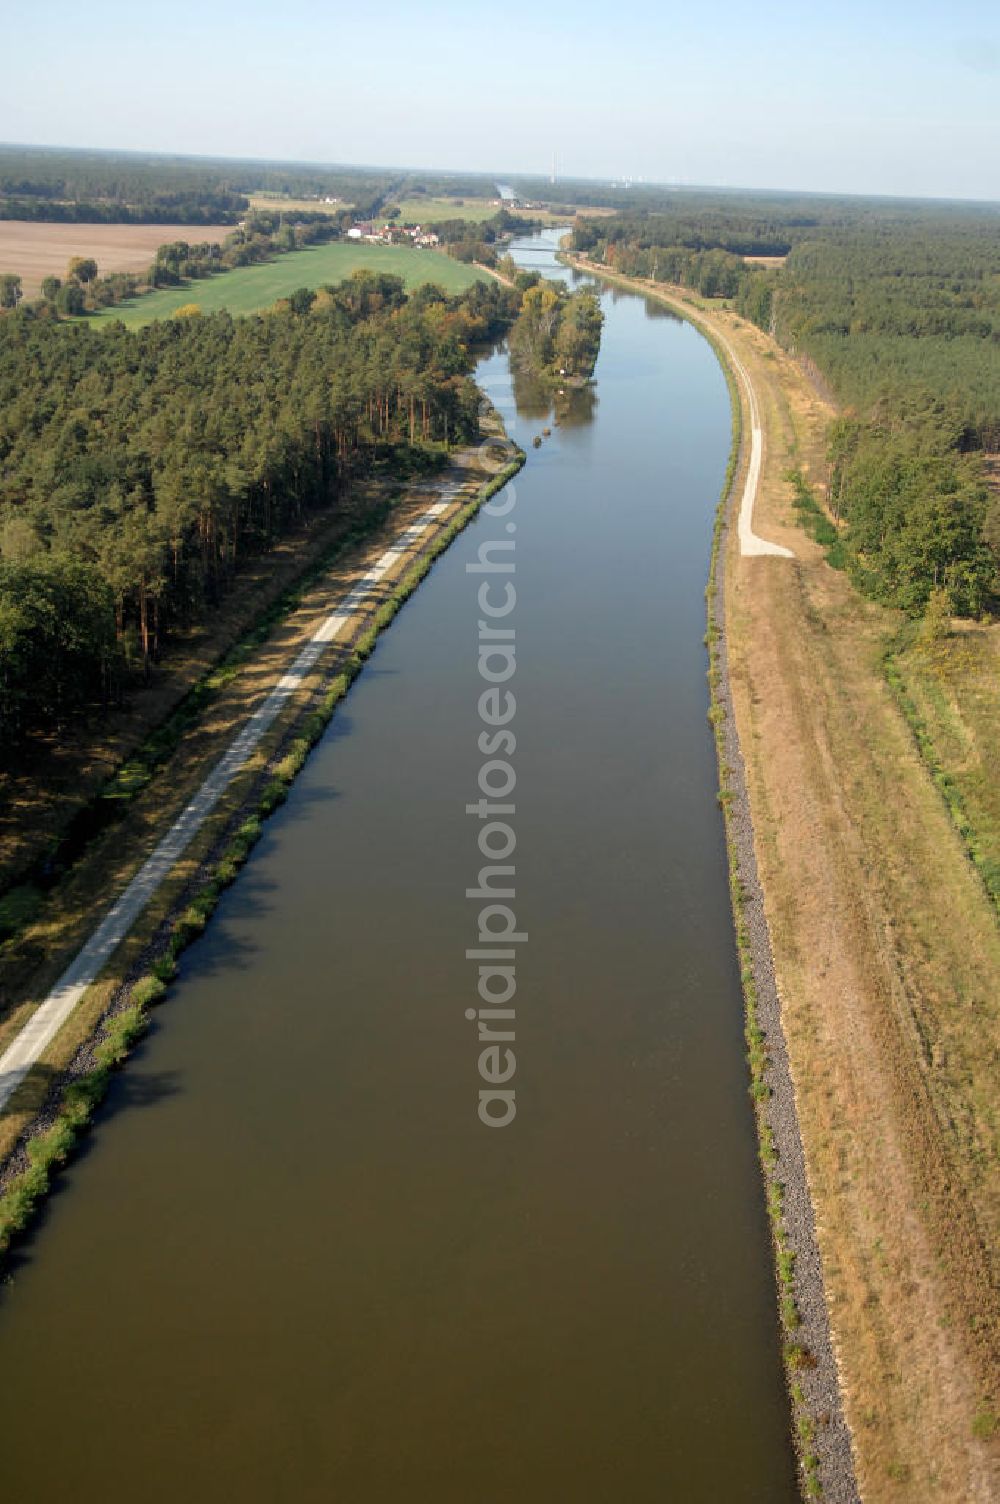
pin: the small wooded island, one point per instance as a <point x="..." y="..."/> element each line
<point x="557" y="334"/>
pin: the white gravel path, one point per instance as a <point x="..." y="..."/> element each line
<point x="29" y="1045"/>
<point x="750" y="544"/>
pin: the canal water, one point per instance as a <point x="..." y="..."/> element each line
<point x="291" y="1263"/>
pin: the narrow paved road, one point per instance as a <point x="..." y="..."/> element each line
<point x="29" y="1045"/>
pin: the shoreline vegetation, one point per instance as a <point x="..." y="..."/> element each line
<point x="65" y="1097"/>
<point x="882" y="935"/>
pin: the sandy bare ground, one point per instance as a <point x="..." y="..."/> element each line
<point x="33" y="251"/>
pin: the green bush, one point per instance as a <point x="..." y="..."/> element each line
<point x="164" y="968"/>
<point x="120" y="1033"/>
<point x="147" y="991"/>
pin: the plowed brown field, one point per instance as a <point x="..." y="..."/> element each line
<point x="33" y="251"/>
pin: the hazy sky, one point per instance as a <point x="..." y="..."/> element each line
<point x="900" y="97"/>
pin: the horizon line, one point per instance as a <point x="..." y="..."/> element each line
<point x="541" y="176"/>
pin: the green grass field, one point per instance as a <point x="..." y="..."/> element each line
<point x="250" y="288"/>
<point x="281" y="201"/>
<point x="424" y="211"/>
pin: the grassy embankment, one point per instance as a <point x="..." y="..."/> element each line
<point x="796" y="1354"/>
<point x="115" y="1005"/>
<point x="886" y="951"/>
<point x="248" y="289"/>
<point x="808" y="1417"/>
<point x="887" y="956"/>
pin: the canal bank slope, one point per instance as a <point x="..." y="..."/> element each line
<point x="154" y="880"/>
<point x="885" y="950"/>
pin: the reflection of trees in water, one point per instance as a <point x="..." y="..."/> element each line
<point x="657" y="310"/>
<point x="594" y="284"/>
<point x="533" y="397"/>
<point x="576" y="408"/>
<point x="654" y="308"/>
<point x="572" y="408"/>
